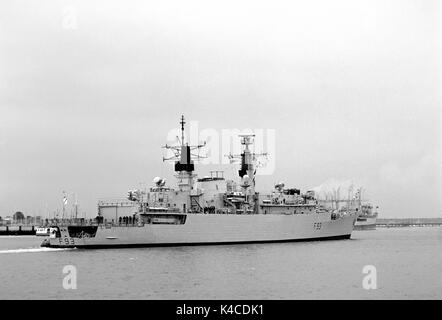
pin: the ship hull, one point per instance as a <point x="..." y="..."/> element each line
<point x="366" y="224"/>
<point x="215" y="229"/>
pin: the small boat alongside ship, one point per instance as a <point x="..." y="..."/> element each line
<point x="328" y="194"/>
<point x="367" y="218"/>
<point x="208" y="210"/>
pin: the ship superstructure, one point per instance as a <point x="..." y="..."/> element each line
<point x="209" y="210"/>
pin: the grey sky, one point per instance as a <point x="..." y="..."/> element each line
<point x="352" y="89"/>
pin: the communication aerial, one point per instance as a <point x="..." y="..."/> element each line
<point x="247" y="158"/>
<point x="183" y="154"/>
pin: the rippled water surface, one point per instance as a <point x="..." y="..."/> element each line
<point x="408" y="262"/>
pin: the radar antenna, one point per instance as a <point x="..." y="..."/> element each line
<point x="247" y="158"/>
<point x="184" y="156"/>
<point x="247" y="161"/>
<point x="183" y="150"/>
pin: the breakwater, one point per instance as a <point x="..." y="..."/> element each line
<point x="409" y="222"/>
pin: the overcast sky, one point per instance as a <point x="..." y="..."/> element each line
<point x="90" y="89"/>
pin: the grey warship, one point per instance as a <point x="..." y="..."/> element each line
<point x="208" y="211"/>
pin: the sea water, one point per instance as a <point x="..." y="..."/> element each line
<point x="403" y="263"/>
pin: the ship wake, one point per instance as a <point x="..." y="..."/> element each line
<point x="33" y="250"/>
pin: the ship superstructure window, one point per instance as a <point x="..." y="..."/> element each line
<point x="163" y="218"/>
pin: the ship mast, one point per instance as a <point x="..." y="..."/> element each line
<point x="184" y="160"/>
<point x="247" y="169"/>
<point x="182" y="122"/>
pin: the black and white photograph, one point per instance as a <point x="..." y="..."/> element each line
<point x="204" y="150"/>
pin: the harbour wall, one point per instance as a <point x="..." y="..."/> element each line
<point x="409" y="222"/>
<point x="17" y="230"/>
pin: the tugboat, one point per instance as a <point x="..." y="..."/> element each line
<point x="209" y="210"/>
